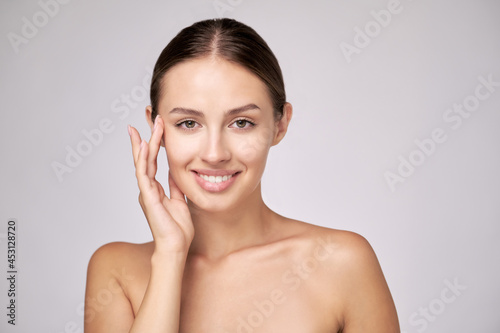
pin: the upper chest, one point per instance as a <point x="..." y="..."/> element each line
<point x="285" y="291"/>
<point x="274" y="293"/>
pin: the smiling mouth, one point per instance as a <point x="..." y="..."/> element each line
<point x="215" y="180"/>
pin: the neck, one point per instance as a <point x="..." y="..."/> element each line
<point x="220" y="233"/>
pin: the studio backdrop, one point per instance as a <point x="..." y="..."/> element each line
<point x="395" y="136"/>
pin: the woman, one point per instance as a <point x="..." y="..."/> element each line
<point x="221" y="260"/>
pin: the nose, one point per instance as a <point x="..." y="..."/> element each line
<point x="215" y="149"/>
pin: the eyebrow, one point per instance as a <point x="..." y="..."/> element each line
<point x="231" y="112"/>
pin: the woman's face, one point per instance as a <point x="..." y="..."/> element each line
<point x="219" y="126"/>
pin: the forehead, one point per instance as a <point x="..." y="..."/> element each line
<point x="212" y="84"/>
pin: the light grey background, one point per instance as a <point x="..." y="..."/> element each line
<point x="354" y="117"/>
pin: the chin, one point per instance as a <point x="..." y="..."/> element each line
<point x="209" y="204"/>
<point x="230" y="201"/>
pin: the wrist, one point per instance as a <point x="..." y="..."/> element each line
<point x="164" y="256"/>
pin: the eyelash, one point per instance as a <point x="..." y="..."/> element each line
<point x="182" y="124"/>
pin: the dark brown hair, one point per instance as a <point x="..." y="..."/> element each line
<point x="230" y="40"/>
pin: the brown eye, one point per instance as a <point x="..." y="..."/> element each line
<point x="241" y="123"/>
<point x="188" y="124"/>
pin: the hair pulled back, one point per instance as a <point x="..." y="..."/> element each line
<point x="230" y="40"/>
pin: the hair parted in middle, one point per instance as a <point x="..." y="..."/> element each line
<point x="227" y="39"/>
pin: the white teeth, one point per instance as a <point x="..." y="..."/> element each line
<point x="215" y="179"/>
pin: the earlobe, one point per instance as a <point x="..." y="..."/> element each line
<point x="282" y="124"/>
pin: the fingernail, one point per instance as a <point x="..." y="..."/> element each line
<point x="129" y="130"/>
<point x="142" y="143"/>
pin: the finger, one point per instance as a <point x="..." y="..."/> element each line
<point x="141" y="167"/>
<point x="135" y="140"/>
<point x="154" y="147"/>
<point x="175" y="191"/>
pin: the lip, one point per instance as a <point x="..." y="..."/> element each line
<point x="215" y="187"/>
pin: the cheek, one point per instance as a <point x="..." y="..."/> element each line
<point x="178" y="151"/>
<point x="253" y="149"/>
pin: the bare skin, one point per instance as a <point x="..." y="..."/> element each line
<point x="222" y="261"/>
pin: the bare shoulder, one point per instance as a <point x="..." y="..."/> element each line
<point x="120" y="261"/>
<point x="114" y="273"/>
<point x="121" y="251"/>
<point x="346" y="247"/>
<point x="119" y="256"/>
<point x="351" y="257"/>
<point x="343" y="254"/>
<point x="351" y="282"/>
<point x="351" y="249"/>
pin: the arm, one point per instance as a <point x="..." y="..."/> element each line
<point x="368" y="302"/>
<point x="170" y="223"/>
<point x="107" y="308"/>
<point x="160" y="308"/>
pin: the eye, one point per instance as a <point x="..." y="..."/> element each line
<point x="187" y="124"/>
<point x="243" y="123"/>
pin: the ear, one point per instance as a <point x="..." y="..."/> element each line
<point x="149" y="112"/>
<point x="282" y="124"/>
